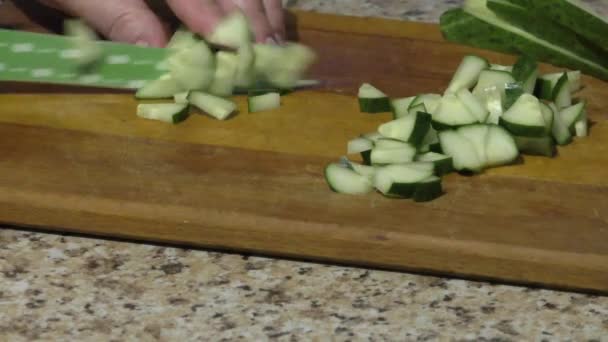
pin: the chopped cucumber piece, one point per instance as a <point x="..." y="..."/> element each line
<point x="215" y="106"/>
<point x="560" y="131"/>
<point x="181" y="39"/>
<point x="467" y="74"/>
<point x="359" y="145"/>
<point x="561" y="93"/>
<point x="581" y="127"/>
<point x="494" y="104"/>
<point x="282" y="66"/>
<point x="536" y="146"/>
<point x="233" y="31"/>
<point x="548" y="116"/>
<point x="411" y="128"/>
<point x="386" y="143"/>
<point x="430" y="142"/>
<point x="227" y="65"/>
<point x="512" y="92"/>
<point x="385" y="156"/>
<point x="443" y="163"/>
<point x="400" y="181"/>
<point x="400" y="106"/>
<point x="478" y="135"/>
<point x="342" y="179"/>
<point x="84" y="41"/>
<point x="181" y="98"/>
<point x="166" y="112"/>
<point x="499" y="67"/>
<point x="501" y="148"/>
<point x="462" y="151"/>
<point x="372" y="100"/>
<point x="570" y="115"/>
<point x="264" y="102"/>
<point x="489" y="79"/>
<point x="525" y="72"/>
<point x="473" y="104"/>
<point x="193" y="67"/>
<point x="451" y="113"/>
<point x="162" y="88"/>
<point x="417" y="108"/>
<point x="373" y="136"/>
<point x="525" y="118"/>
<point x="430" y="102"/>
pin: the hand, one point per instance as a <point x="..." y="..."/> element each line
<point x="132" y="21"/>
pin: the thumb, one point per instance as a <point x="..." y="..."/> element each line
<point x="128" y="21"/>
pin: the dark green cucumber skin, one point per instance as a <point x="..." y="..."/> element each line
<point x="543" y="27"/>
<point x="440" y="126"/>
<point x="426" y="192"/>
<point x="366" y="156"/>
<point x="543" y="89"/>
<point x="562" y="82"/>
<point x="422" y="127"/>
<point x="181" y="116"/>
<point x="543" y="146"/>
<point x="444" y="166"/>
<point x="436" y="147"/>
<point x="524" y="131"/>
<point x="379" y="105"/>
<point x="568" y="15"/>
<point x="460" y="27"/>
<point x="512" y="94"/>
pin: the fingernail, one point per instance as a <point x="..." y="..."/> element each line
<point x="142" y="43"/>
<point x="271" y="40"/>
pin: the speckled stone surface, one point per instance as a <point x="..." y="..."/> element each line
<point x="58" y="288"/>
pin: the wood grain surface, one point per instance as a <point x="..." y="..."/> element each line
<point x="84" y="163"/>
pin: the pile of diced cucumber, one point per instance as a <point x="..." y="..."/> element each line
<point x="205" y="73"/>
<point x="488" y="115"/>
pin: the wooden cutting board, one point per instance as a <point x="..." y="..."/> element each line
<point x="84" y="163"/>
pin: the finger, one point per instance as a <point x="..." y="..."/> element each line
<point x="228" y="6"/>
<point x="254" y="10"/>
<point x="201" y="16"/>
<point x="125" y="21"/>
<point x="276" y="17"/>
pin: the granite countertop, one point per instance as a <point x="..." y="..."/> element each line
<point x="55" y="287"/>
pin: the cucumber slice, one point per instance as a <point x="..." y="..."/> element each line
<point x="264" y="102"/>
<point x="478" y="135"/>
<point x="164" y="87"/>
<point x="233" y="31"/>
<point x="525" y="118"/>
<point x="428" y="189"/>
<point x="561" y="93"/>
<point x="193" y="67"/>
<point x="539" y="146"/>
<point x="430" y="102"/>
<point x="282" y="66"/>
<point x="227" y="65"/>
<point x="181" y="39"/>
<point x="467" y="74"/>
<point x="493" y="103"/>
<point x="430" y="141"/>
<point x="359" y="145"/>
<point x="181" y="98"/>
<point x="245" y="75"/>
<point x="215" y="106"/>
<point x="570" y="115"/>
<point x="412" y="128"/>
<point x="363" y="170"/>
<point x="473" y="104"/>
<point x="84" y="40"/>
<point x="166" y="112"/>
<point x="512" y="92"/>
<point x="581" y="127"/>
<point x="400" y="106"/>
<point x="373" y="136"/>
<point x="400" y="181"/>
<point x="559" y="131"/>
<point x="489" y="79"/>
<point x="462" y="151"/>
<point x="452" y="113"/>
<point x="443" y="163"/>
<point x="419" y="108"/>
<point x="548" y="116"/>
<point x="372" y="100"/>
<point x="342" y="179"/>
<point x="385" y="156"/>
<point x="387" y="143"/>
<point x="501" y="148"/>
<point x="525" y="72"/>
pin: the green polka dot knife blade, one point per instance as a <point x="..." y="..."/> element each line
<point x="47" y="58"/>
